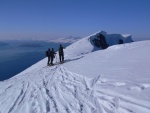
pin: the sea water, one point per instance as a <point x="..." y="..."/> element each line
<point x="16" y="56"/>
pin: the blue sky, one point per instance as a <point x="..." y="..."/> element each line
<point x="63" y="18"/>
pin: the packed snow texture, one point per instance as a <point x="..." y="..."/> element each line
<point x="114" y="80"/>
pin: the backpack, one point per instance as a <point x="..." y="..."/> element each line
<point x="46" y="53"/>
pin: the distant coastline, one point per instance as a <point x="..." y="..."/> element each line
<point x="16" y="55"/>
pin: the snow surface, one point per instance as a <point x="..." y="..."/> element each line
<point x="114" y="80"/>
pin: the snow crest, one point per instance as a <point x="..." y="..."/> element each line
<point x="86" y="44"/>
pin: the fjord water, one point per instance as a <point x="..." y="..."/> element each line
<point x="16" y="56"/>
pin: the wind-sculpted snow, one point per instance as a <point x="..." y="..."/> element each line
<point x="57" y="90"/>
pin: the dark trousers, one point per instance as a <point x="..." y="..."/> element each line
<point x="61" y="57"/>
<point x="48" y="60"/>
<point x="52" y="58"/>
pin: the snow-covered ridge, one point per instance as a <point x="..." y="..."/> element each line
<point x="85" y="45"/>
<point x="113" y="80"/>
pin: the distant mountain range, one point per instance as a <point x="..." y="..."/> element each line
<point x="3" y="44"/>
<point x="30" y="45"/>
<point x="70" y="39"/>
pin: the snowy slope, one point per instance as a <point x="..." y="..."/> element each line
<point x="114" y="80"/>
<point x="86" y="44"/>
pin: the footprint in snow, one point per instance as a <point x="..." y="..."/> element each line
<point x="140" y="87"/>
<point x="144" y="86"/>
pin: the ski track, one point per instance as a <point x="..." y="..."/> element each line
<point x="57" y="90"/>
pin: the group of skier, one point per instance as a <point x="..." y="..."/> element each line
<point x="51" y="55"/>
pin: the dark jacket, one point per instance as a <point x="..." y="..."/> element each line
<point x="52" y="54"/>
<point x="61" y="51"/>
<point x="47" y="53"/>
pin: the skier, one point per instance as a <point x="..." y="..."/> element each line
<point x="52" y="55"/>
<point x="61" y="54"/>
<point x="48" y="55"/>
